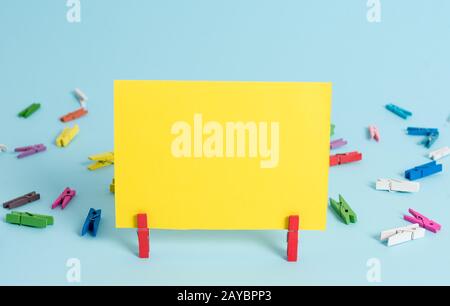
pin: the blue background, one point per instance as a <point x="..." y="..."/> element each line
<point x="403" y="60"/>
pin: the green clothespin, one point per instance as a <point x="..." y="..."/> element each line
<point x="332" y="130"/>
<point x="343" y="210"/>
<point x="30" y="110"/>
<point x="27" y="219"/>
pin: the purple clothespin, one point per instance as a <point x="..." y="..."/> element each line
<point x="423" y="221"/>
<point x="64" y="199"/>
<point x="30" y="150"/>
<point x="336" y="144"/>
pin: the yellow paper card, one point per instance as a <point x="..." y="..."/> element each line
<point x="221" y="155"/>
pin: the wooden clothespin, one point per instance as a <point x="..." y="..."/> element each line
<point x="23" y="200"/>
<point x="66" y="136"/>
<point x="402" y="234"/>
<point x="64" y="198"/>
<point x="332" y="128"/>
<point x="30" y="150"/>
<point x="429" y="140"/>
<point x="343" y="210"/>
<point x="418" y="131"/>
<point x="397" y="185"/>
<point x="345" y="158"/>
<point x="374" y="133"/>
<point x="101" y="160"/>
<point x="27" y="219"/>
<point x="143" y="236"/>
<point x="440" y="153"/>
<point x="112" y="187"/>
<point x="30" y="110"/>
<point x="423" y="221"/>
<point x="74" y="115"/>
<point x="403" y="113"/>
<point x="431" y="135"/>
<point x="92" y="222"/>
<point x="423" y="171"/>
<point x="338" y="143"/>
<point x="82" y="98"/>
<point x="292" y="238"/>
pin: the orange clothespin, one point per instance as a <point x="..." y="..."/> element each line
<point x="74" y="115"/>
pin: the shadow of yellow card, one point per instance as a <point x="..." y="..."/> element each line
<point x="221" y="155"/>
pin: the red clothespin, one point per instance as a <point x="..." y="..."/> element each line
<point x="143" y="236"/>
<point x="292" y="238"/>
<point x="334" y="160"/>
<point x="345" y="158"/>
<point x="74" y="115"/>
<point x="65" y="197"/>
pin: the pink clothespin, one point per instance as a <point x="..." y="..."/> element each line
<point x="374" y="133"/>
<point x="64" y="199"/>
<point x="30" y="150"/>
<point x="423" y="221"/>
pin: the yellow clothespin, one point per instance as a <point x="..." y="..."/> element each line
<point x="66" y="136"/>
<point x="101" y="160"/>
<point x="112" y="187"/>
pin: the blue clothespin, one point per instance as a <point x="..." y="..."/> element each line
<point x="430" y="140"/>
<point x="403" y="113"/>
<point x="423" y="171"/>
<point x="415" y="131"/>
<point x="431" y="135"/>
<point x="92" y="221"/>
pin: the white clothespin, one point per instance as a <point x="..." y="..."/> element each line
<point x="440" y="153"/>
<point x="3" y="148"/>
<point x="82" y="98"/>
<point x="397" y="185"/>
<point x="402" y="234"/>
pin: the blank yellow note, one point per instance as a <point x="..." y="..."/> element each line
<point x="221" y="155"/>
